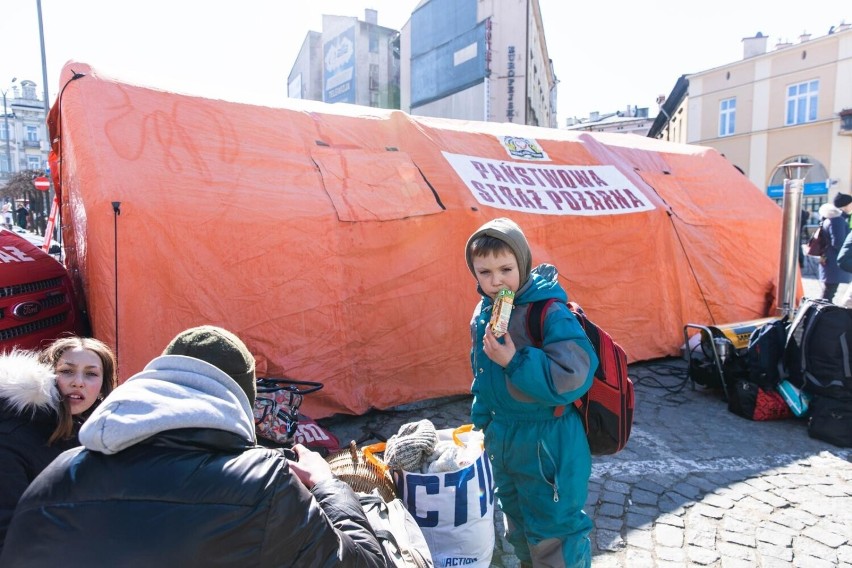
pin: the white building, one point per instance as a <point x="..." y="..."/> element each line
<point x="350" y="61"/>
<point x="23" y="134"/>
<point x="478" y="60"/>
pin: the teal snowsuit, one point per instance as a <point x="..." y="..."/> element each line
<point x="541" y="462"/>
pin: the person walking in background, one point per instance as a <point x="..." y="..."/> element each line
<point x="22" y="214"/>
<point x="834" y="223"/>
<point x="844" y="261"/>
<point x="540" y="458"/>
<point x="170" y="475"/>
<point x="44" y="398"/>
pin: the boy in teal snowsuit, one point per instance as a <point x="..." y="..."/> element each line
<point x="541" y="461"/>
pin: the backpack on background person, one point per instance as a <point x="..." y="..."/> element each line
<point x="819" y="242"/>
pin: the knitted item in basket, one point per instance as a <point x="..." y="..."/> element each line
<point x="410" y="447"/>
<point x="353" y="467"/>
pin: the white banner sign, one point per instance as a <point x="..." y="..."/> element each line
<point x="549" y="189"/>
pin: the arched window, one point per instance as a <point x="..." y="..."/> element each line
<point x="816" y="183"/>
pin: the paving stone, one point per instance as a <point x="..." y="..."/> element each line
<point x="813" y="562"/>
<point x="642" y="497"/>
<point x="830" y="539"/>
<point x="702" y="538"/>
<point x="637" y="521"/>
<point x="668" y="535"/>
<point x="609" y="540"/>
<point x="670" y="553"/>
<point x="609" y="523"/>
<point x="610" y="510"/>
<point x="734" y="550"/>
<point x="770" y="499"/>
<point x="639" y="538"/>
<point x="619" y="499"/>
<point x="772" y="536"/>
<point x="688" y="490"/>
<point x="650" y="486"/>
<point x="701" y="556"/>
<point x="733" y="562"/>
<point x="617" y="487"/>
<point x="710" y="512"/>
<point x="635" y="557"/>
<point x="775" y="527"/>
<point x="670" y="519"/>
<point x="718" y="501"/>
<point x="767" y="550"/>
<point x="804" y="545"/>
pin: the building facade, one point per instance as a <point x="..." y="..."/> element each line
<point x="350" y="61"/>
<point x="632" y="120"/>
<point x="23" y="132"/>
<point x="478" y="60"/>
<point x="791" y="103"/>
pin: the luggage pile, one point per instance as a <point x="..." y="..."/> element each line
<point x="800" y="368"/>
<point x="818" y="358"/>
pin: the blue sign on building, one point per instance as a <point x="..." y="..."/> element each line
<point x="815" y="188"/>
<point x="338" y="65"/>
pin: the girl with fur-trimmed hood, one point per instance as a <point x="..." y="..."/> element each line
<point x="44" y="398"/>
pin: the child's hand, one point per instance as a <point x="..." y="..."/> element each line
<point x="500" y="353"/>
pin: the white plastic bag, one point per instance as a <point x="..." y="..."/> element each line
<point x="455" y="509"/>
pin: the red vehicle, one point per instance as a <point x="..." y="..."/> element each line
<point x="37" y="302"/>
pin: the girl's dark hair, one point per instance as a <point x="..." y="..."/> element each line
<point x="51" y="355"/>
<point x="486" y="244"/>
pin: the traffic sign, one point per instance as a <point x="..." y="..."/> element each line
<point x="41" y="183"/>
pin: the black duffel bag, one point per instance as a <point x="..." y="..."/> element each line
<point x="831" y="420"/>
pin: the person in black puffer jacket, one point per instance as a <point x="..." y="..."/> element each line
<point x="41" y="412"/>
<point x="170" y="475"/>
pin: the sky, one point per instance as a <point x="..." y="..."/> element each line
<point x="607" y="54"/>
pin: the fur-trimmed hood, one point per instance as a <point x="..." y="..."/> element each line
<point x="27" y="385"/>
<point x="829" y="211"/>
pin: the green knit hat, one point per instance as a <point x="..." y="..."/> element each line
<point x="220" y="348"/>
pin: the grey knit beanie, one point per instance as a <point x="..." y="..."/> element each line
<point x="220" y="348"/>
<point x="510" y="233"/>
<point x="411" y="445"/>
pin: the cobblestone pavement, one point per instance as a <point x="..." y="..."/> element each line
<point x="695" y="486"/>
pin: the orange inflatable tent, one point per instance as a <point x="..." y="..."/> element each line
<point x="330" y="238"/>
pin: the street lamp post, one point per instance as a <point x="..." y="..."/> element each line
<point x="8" y="134"/>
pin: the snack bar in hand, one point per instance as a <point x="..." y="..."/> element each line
<point x="501" y="312"/>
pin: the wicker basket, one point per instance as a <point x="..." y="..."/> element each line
<point x="362" y="471"/>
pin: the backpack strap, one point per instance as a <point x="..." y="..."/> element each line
<point x="535" y="328"/>
<point x="535" y="320"/>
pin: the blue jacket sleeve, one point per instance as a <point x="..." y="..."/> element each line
<point x="566" y="361"/>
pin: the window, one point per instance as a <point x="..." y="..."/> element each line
<point x="32" y="134"/>
<point x="802" y="102"/>
<point x="4" y="164"/>
<point x="727" y="116"/>
<point x="4" y="134"/>
<point x="33" y="163"/>
<point x="374" y="39"/>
